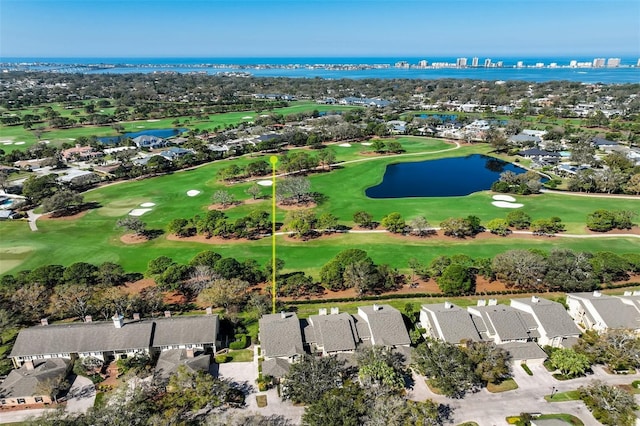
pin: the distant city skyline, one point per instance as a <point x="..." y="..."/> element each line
<point x="329" y="28"/>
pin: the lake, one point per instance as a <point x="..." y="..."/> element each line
<point x="159" y="133"/>
<point x="447" y="177"/>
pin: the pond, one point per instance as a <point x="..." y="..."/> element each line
<point x="159" y="133"/>
<point x="447" y="177"/>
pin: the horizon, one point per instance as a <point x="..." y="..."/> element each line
<point x="317" y="28"/>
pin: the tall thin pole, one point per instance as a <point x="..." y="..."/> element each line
<point x="273" y="160"/>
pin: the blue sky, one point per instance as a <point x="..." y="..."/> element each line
<point x="262" y="28"/>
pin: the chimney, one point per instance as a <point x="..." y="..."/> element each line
<point x="596" y="293"/>
<point x="335" y="310"/>
<point x="283" y="314"/>
<point x="118" y="320"/>
<point x="88" y="318"/>
<point x="322" y="311"/>
<point x="635" y="293"/>
<point x="44" y="321"/>
<point x="376" y="307"/>
<point x="448" y="305"/>
<point x="535" y="299"/>
<point x="482" y="302"/>
<point x="167" y="314"/>
<point x="209" y="310"/>
<point x="493" y="302"/>
<point x="190" y="353"/>
<point x="29" y="365"/>
<point x="136" y="316"/>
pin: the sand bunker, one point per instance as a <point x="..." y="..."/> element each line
<point x="247" y="117"/>
<point x="147" y="204"/>
<point x="265" y="182"/>
<point x="19" y="143"/>
<point x="508" y="198"/>
<point x="153" y="120"/>
<point x="47" y="142"/>
<point x="71" y="139"/>
<point x="507" y="205"/>
<point x="7" y="143"/>
<point x="345" y="145"/>
<point x="139" y="127"/>
<point x="193" y="192"/>
<point x="366" y="143"/>
<point x="138" y="212"/>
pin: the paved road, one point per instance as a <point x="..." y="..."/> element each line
<point x="489" y="409"/>
<point x="22" y="415"/>
<point x="81" y="396"/>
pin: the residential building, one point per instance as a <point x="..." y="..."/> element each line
<point x="461" y="62"/>
<point x="386" y="325"/>
<point x="280" y="342"/>
<point x="148" y="141"/>
<point x="504" y="324"/>
<point x="597" y="311"/>
<point x="474" y="62"/>
<point x="555" y="326"/>
<point x="80" y="153"/>
<point x="114" y="340"/>
<point x="331" y="334"/>
<point x="27" y="385"/>
<point x="449" y="323"/>
<point x="613" y="62"/>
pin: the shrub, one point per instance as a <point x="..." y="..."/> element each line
<point x="526" y="368"/>
<point x="241" y="342"/>
<point x="221" y="359"/>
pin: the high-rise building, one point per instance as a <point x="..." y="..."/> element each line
<point x="423" y="64"/>
<point x="520" y="64"/>
<point x="474" y="62"/>
<point x="573" y="63"/>
<point x="402" y="64"/>
<point x="613" y="62"/>
<point x="487" y="63"/>
<point x="638" y="63"/>
<point x="598" y="62"/>
<point x="461" y="62"/>
<point x="499" y="64"/>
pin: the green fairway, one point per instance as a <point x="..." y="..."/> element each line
<point x="94" y="237"/>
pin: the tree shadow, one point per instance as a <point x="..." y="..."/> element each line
<point x="152" y="234"/>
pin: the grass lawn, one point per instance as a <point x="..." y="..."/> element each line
<point x="504" y="386"/>
<point x="241" y="355"/>
<point x="572" y="395"/>
<point x="572" y="420"/>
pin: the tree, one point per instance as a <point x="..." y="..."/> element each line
<point x="110" y="274"/>
<point x="309" y="379"/>
<point x="360" y="275"/>
<point x="420" y="226"/>
<point x="294" y="188"/>
<point x="47" y="275"/>
<point x="633" y="185"/>
<point x="447" y="367"/>
<point x="569" y="362"/>
<point x="133" y="224"/>
<point x="300" y="222"/>
<point x="225" y="198"/>
<point x="364" y="219"/>
<point x="610" y="405"/>
<point x="80" y="273"/>
<point x="62" y="202"/>
<point x="601" y="220"/>
<point x="340" y="406"/>
<point x="457" y="227"/>
<point x="327" y="157"/>
<point x="498" y="226"/>
<point x="394" y="223"/>
<point x="394" y="146"/>
<point x="569" y="271"/>
<point x="492" y="363"/>
<point x="30" y="301"/>
<point x="72" y="300"/>
<point x="38" y="188"/>
<point x="225" y="293"/>
<point x="331" y="274"/>
<point x="206" y="258"/>
<point x="328" y="222"/>
<point x="158" y="265"/>
<point x="456" y="279"/>
<point x="380" y="366"/>
<point x="378" y="145"/>
<point x="254" y="190"/>
<point x="608" y="267"/>
<point x="518" y="219"/>
<point x="547" y="226"/>
<point x="521" y="269"/>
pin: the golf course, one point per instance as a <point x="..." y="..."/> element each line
<point x="93" y="236"/>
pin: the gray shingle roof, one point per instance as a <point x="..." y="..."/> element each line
<point x="521" y="351"/>
<point x="23" y="382"/>
<point x="613" y="311"/>
<point x="334" y="332"/>
<point x="170" y="360"/>
<point x="196" y="329"/>
<point x="280" y="335"/>
<point x="386" y="325"/>
<point x="507" y="322"/>
<point x="276" y="367"/>
<point x="82" y="337"/>
<point x="452" y="324"/>
<point x="553" y="317"/>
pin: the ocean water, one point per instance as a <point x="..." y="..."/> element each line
<point x="318" y="67"/>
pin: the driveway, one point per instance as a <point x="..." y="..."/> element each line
<point x="81" y="396"/>
<point x="23" y="415"/>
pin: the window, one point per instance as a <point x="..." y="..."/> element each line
<point x="38" y="399"/>
<point x="21" y="401"/>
